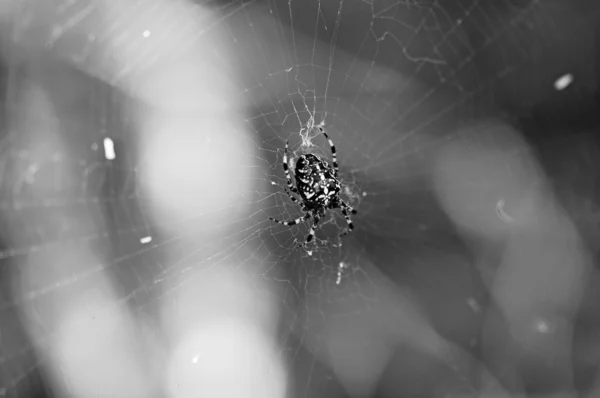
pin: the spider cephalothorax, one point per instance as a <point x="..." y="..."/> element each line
<point x="318" y="185"/>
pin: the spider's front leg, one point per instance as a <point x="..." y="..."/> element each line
<point x="291" y="195"/>
<point x="286" y="170"/>
<point x="336" y="167"/>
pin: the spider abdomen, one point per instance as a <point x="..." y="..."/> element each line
<point x="315" y="181"/>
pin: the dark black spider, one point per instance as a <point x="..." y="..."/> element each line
<point x="318" y="185"/>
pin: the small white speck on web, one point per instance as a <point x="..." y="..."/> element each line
<point x="473" y="304"/>
<point x="146" y="33"/>
<point x="563" y="82"/>
<point x="542" y="326"/>
<point x="501" y="213"/>
<point x="31" y="172"/>
<point x="109" y="149"/>
<point x="146" y="239"/>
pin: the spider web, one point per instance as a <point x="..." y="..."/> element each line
<point x="392" y="82"/>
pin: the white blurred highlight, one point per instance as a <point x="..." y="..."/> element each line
<point x="479" y="184"/>
<point x="90" y="331"/>
<point x="94" y="344"/>
<point x="191" y="142"/>
<point x="171" y="56"/>
<point x="192" y="168"/>
<point x="226" y="358"/>
<point x="222" y="333"/>
<point x="191" y="130"/>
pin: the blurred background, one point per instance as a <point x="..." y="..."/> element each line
<point x="141" y="150"/>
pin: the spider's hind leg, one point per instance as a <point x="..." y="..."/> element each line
<point x="311" y="234"/>
<point x="348" y="207"/>
<point x="348" y="221"/>
<point x="344" y="207"/>
<point x="289" y="223"/>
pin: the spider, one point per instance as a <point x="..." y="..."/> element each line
<point x="318" y="186"/>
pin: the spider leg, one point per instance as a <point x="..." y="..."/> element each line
<point x="286" y="169"/>
<point x="292" y="197"/>
<point x="298" y="220"/>
<point x="295" y="199"/>
<point x="345" y="207"/>
<point x="311" y="233"/>
<point x="333" y="153"/>
<point x="348" y="221"/>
